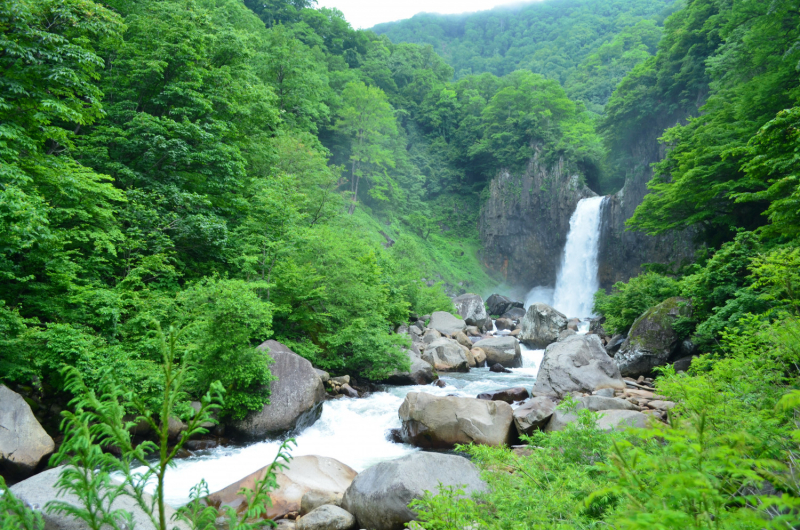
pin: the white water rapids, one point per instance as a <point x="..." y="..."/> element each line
<point x="576" y="281"/>
<point x="352" y="431"/>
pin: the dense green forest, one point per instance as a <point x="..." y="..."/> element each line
<point x="208" y="174"/>
<point x="586" y="46"/>
<point x="192" y="164"/>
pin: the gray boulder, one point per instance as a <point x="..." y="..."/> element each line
<point x="295" y="401"/>
<point x="379" y="495"/>
<point x="327" y="517"/>
<point x="534" y="414"/>
<point x="470" y="307"/>
<point x="41" y="489"/>
<point x="614" y="344"/>
<point x="441" y="422"/>
<point x="619" y="420"/>
<point x="311" y="500"/>
<point x="24" y="444"/>
<point x="503" y="350"/>
<point x="579" y="363"/>
<point x="420" y="372"/>
<point x="515" y="313"/>
<point x="430" y="335"/>
<point x="614" y="412"/>
<point x="446" y="323"/>
<point x="651" y="341"/>
<point x="499" y="304"/>
<point x="541" y="325"/>
<point x="566" y="333"/>
<point x="509" y="395"/>
<point x="323" y="375"/>
<point x="446" y="355"/>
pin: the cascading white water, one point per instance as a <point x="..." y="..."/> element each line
<point x="351" y="430"/>
<point x="577" y="282"/>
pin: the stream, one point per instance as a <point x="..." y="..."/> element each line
<point x="352" y="431"/>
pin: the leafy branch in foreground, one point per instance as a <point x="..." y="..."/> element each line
<point x="203" y="517"/>
<point x="15" y="514"/>
<point x="98" y="423"/>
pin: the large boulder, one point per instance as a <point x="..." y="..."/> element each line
<point x="379" y="496"/>
<point x="41" y="489"/>
<point x="23" y="442"/>
<point x="619" y="420"/>
<point x="515" y="313"/>
<point x="324" y="475"/>
<point x="651" y="341"/>
<point x="499" y="304"/>
<point x="503" y="350"/>
<point x="470" y="307"/>
<point x="614" y="410"/>
<point x="327" y="517"/>
<point x="509" y="395"/>
<point x="420" y="371"/>
<point x="295" y="400"/>
<point x="441" y="422"/>
<point x="446" y="355"/>
<point x="445" y="323"/>
<point x="541" y="325"/>
<point x="579" y="363"/>
<point x="534" y="414"/>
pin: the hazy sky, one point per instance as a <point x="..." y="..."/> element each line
<point x="364" y="14"/>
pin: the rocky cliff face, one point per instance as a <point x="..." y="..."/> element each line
<point x="621" y="252"/>
<point x="524" y="222"/>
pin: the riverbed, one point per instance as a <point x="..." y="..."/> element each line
<point x="353" y="431"/>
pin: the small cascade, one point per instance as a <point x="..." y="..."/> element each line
<point x="577" y="282"/>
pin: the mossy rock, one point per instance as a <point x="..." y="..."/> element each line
<point x="652" y="341"/>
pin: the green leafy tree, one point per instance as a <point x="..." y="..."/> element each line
<point x="366" y="118"/>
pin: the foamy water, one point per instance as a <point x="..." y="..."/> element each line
<point x="352" y="431"/>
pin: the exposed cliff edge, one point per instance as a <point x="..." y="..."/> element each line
<point x="524" y="222"/>
<point x="622" y="252"/>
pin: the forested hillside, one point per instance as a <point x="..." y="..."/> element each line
<point x="586" y="46"/>
<point x="184" y="152"/>
<point x="181" y="180"/>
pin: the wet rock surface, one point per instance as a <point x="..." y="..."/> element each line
<point x="441" y="422"/>
<point x="295" y="397"/>
<point x="379" y="495"/>
<point x="24" y="444"/>
<point x="541" y="325"/>
<point x="577" y="364"/>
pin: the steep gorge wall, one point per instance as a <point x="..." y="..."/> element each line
<point x="623" y="252"/>
<point x="524" y="222"/>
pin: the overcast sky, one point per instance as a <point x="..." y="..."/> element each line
<point x="364" y="14"/>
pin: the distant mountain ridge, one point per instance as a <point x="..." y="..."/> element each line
<point x="586" y="45"/>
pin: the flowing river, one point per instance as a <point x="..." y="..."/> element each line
<point x="353" y="431"/>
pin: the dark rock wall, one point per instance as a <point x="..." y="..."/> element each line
<point x="524" y="222"/>
<point x="622" y="252"/>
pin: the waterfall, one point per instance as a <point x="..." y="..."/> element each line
<point x="577" y="282"/>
